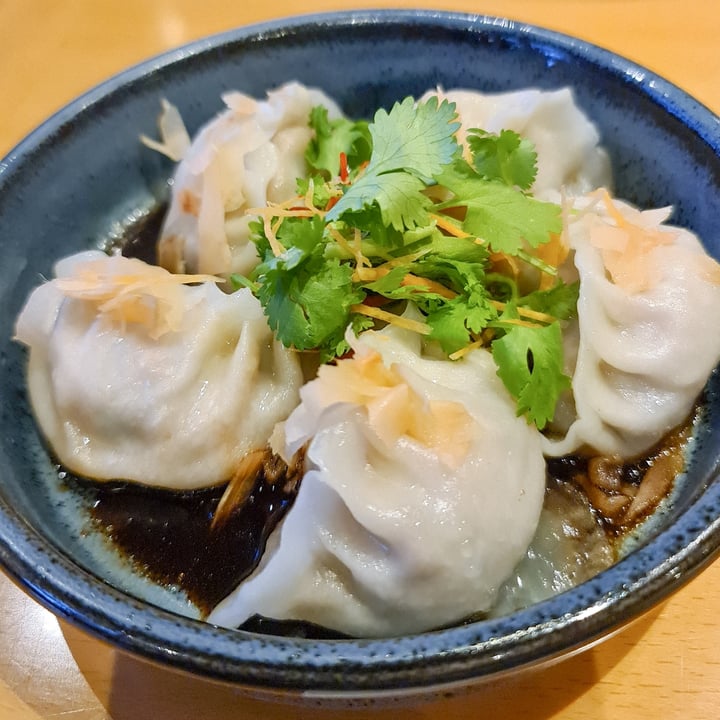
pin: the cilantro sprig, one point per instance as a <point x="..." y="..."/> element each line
<point x="396" y="211"/>
<point x="334" y="137"/>
<point x="505" y="156"/>
<point x="411" y="144"/>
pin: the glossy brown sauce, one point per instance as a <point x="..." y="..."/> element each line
<point x="139" y="236"/>
<point x="623" y="494"/>
<point x="167" y="537"/>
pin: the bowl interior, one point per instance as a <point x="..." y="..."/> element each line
<point x="84" y="175"/>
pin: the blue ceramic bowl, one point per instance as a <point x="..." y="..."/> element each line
<point x="83" y="174"/>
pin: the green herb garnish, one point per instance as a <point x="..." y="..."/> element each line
<point x="395" y="212"/>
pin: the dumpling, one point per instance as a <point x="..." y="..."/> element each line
<point x="647" y="340"/>
<point x="567" y="143"/>
<point x="135" y="376"/>
<point x="250" y="154"/>
<point x="422" y="490"/>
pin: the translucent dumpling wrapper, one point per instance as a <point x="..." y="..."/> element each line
<point x="570" y="546"/>
<point x="646" y="336"/>
<point x="134" y="375"/>
<point x="566" y="142"/>
<point x="422" y="491"/>
<point x="249" y="155"/>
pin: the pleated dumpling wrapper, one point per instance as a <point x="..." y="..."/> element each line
<point x="646" y="337"/>
<point x="250" y="154"/>
<point x="422" y="492"/>
<point x="134" y="375"/>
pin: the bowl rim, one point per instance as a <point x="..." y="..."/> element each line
<point x="439" y="659"/>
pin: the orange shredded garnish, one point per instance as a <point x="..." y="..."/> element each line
<point x="275" y="245"/>
<point x="355" y="250"/>
<point x="310" y="194"/>
<point x="430" y="285"/>
<point x="278" y="212"/>
<point x="394" y="409"/>
<point x="403" y="260"/>
<point x="525" y="312"/>
<point x="392" y="319"/>
<point x="360" y="260"/>
<point x="368" y="273"/>
<point x="128" y="291"/>
<point x="553" y="253"/>
<point x="465" y="350"/>
<point x="449" y="227"/>
<point x="626" y="247"/>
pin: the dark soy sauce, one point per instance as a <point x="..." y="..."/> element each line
<point x="138" y="236"/>
<point x="167" y="535"/>
<point x="567" y="467"/>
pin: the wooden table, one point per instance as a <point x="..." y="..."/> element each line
<point x="667" y="665"/>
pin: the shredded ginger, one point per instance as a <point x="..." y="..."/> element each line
<point x="174" y="138"/>
<point x="394" y="409"/>
<point x="628" y="240"/>
<point x="127" y="291"/>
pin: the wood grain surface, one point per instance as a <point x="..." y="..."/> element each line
<point x="666" y="665"/>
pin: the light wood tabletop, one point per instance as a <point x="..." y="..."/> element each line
<point x="666" y="665"/>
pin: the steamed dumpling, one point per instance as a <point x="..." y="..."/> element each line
<point x="136" y="376"/>
<point x="567" y="143"/>
<point x="422" y="491"/>
<point x="647" y="338"/>
<point x="250" y="154"/>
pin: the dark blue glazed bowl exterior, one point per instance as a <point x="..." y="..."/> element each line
<point x="83" y="174"/>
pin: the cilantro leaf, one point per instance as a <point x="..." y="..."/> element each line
<point x="322" y="192"/>
<point x="370" y="221"/>
<point x="560" y="301"/>
<point x="497" y="213"/>
<point x="417" y="138"/>
<point x="305" y="296"/>
<point x="390" y="283"/>
<point x="411" y="143"/>
<point x="308" y="306"/>
<point x="452" y="323"/>
<point x="448" y="326"/>
<point x="397" y="195"/>
<point x="305" y="234"/>
<point x="333" y="137"/>
<point x="507" y="157"/>
<point x="530" y="364"/>
<point x="459" y="249"/>
<point x="392" y="286"/>
<point x="461" y="277"/>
